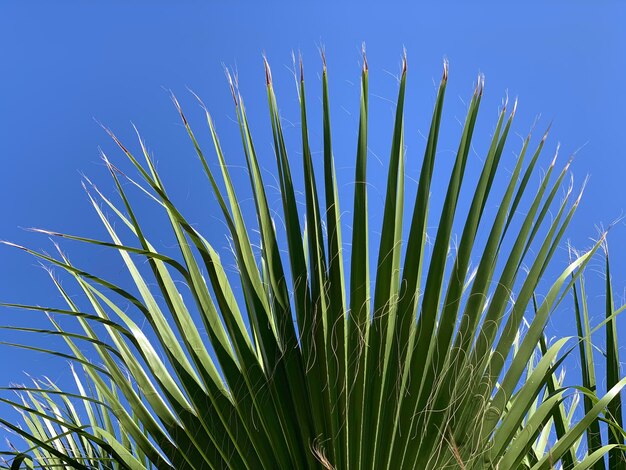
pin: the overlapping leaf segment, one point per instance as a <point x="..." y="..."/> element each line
<point x="327" y="359"/>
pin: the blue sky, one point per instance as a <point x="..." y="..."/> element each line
<point x="64" y="65"/>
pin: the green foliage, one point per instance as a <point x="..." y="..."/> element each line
<point x="429" y="364"/>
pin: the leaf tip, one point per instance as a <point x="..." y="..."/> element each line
<point x="480" y="85"/>
<point x="11" y="244"/>
<point x="116" y="140"/>
<point x="556" y="154"/>
<point x="545" y="134"/>
<point x="404" y="62"/>
<point x="514" y="108"/>
<point x="231" y="85"/>
<point x="179" y="109"/>
<point x="363" y="53"/>
<point x="268" y="71"/>
<point x="41" y="230"/>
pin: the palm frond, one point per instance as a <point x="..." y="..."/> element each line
<point x="310" y="360"/>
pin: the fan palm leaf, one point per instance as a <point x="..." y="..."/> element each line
<point x="317" y="363"/>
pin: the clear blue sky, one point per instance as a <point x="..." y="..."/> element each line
<point x="62" y="65"/>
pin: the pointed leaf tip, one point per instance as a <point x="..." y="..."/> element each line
<point x="556" y="154"/>
<point x="404" y="62"/>
<point x="268" y="72"/>
<point x="514" y="108"/>
<point x="570" y="161"/>
<point x="44" y="231"/>
<point x="174" y="100"/>
<point x="115" y="139"/>
<point x="231" y="85"/>
<point x="445" y="70"/>
<point x="14" y="245"/>
<point x="179" y="109"/>
<point x="480" y="85"/>
<point x="365" y="66"/>
<point x="545" y="134"/>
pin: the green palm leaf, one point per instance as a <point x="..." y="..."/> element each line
<point x="308" y="367"/>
